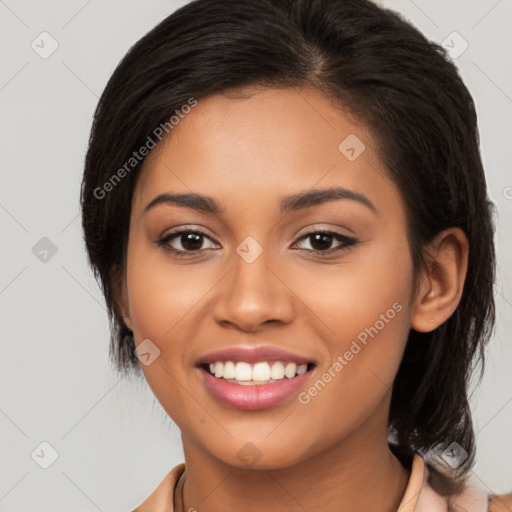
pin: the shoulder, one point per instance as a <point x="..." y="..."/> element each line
<point x="500" y="503"/>
<point x="161" y="499"/>
<point x="471" y="498"/>
<point x="424" y="494"/>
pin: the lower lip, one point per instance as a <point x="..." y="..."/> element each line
<point x="256" y="396"/>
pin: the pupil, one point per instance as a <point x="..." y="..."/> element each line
<point x="321" y="242"/>
<point x="191" y="241"/>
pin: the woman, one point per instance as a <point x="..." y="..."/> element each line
<point x="285" y="204"/>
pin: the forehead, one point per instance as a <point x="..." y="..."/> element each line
<point x="263" y="144"/>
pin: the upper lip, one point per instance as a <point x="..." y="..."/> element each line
<point x="252" y="355"/>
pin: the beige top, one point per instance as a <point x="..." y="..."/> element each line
<point x="418" y="496"/>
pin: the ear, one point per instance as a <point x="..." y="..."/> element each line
<point x="118" y="282"/>
<point x="441" y="287"/>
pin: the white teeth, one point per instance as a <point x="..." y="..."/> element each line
<point x="219" y="367"/>
<point x="229" y="370"/>
<point x="243" y="371"/>
<point x="290" y="370"/>
<point x="259" y="372"/>
<point x="277" y="371"/>
<point x="302" y="368"/>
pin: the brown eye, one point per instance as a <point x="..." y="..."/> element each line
<point x="322" y="242"/>
<point x="186" y="241"/>
<point x="191" y="241"/>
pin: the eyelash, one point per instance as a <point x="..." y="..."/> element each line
<point x="345" y="241"/>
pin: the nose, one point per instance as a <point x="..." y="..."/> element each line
<point x="253" y="295"/>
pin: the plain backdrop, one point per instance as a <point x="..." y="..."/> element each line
<point x="111" y="441"/>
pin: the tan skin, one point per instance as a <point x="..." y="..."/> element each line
<point x="248" y="152"/>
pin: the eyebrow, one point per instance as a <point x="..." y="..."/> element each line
<point x="315" y="197"/>
<point x="291" y="203"/>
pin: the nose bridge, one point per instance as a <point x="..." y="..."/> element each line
<point x="253" y="295"/>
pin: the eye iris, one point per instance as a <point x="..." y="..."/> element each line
<point x="321" y="241"/>
<point x="191" y="241"/>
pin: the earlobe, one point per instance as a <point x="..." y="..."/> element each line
<point x="121" y="296"/>
<point x="127" y="322"/>
<point x="441" y="287"/>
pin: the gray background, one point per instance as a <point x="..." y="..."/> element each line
<point x="114" y="442"/>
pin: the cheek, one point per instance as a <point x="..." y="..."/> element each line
<point x="364" y="303"/>
<point x="371" y="331"/>
<point x="162" y="299"/>
<point x="366" y="289"/>
<point x="162" y="294"/>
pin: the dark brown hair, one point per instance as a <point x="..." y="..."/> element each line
<point x="391" y="78"/>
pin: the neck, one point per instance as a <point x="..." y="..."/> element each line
<point x="352" y="475"/>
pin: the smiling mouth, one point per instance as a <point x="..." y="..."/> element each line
<point x="263" y="372"/>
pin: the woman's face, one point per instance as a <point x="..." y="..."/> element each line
<point x="265" y="174"/>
